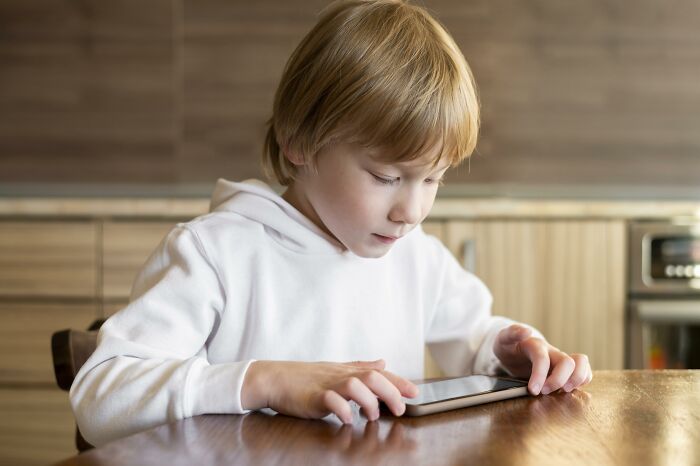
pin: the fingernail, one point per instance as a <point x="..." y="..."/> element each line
<point x="546" y="391"/>
<point x="568" y="387"/>
<point x="536" y="389"/>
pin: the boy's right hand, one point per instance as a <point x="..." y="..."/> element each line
<point x="316" y="389"/>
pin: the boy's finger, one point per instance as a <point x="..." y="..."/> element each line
<point x="580" y="374"/>
<point x="406" y="387"/>
<point x="354" y="389"/>
<point x="563" y="366"/>
<point x="336" y="404"/>
<point x="384" y="390"/>
<point x="535" y="351"/>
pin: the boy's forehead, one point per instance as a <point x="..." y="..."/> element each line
<point x="423" y="162"/>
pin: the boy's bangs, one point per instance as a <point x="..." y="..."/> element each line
<point x="400" y="137"/>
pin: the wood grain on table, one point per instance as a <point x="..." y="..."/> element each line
<point x="622" y="417"/>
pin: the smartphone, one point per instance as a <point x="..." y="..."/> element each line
<point x="460" y="392"/>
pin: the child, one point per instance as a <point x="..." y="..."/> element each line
<point x="234" y="309"/>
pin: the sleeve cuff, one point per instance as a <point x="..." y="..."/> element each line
<point x="215" y="388"/>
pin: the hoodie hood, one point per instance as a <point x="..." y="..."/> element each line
<point x="258" y="202"/>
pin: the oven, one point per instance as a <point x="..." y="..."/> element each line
<point x="663" y="307"/>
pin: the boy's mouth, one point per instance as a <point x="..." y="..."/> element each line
<point x="385" y="239"/>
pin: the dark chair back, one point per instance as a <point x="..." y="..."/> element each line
<point x="70" y="349"/>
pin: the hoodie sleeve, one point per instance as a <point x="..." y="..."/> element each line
<point x="150" y="366"/>
<point x="462" y="331"/>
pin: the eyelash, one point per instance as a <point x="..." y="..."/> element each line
<point x="386" y="181"/>
<point x="393" y="181"/>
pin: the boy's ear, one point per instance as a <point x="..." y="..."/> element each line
<point x="294" y="157"/>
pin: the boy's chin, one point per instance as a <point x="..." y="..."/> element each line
<point x="370" y="253"/>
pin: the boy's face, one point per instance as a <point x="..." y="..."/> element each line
<point x="366" y="204"/>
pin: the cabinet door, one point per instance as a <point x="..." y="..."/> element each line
<point x="48" y="259"/>
<point x="36" y="426"/>
<point x="126" y="247"/>
<point x="25" y="337"/>
<point x="564" y="277"/>
<point x="435" y="228"/>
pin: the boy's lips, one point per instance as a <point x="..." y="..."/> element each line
<point x="386" y="239"/>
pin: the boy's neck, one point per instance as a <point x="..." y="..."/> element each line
<point x="302" y="204"/>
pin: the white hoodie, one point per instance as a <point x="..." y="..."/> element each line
<point x="256" y="280"/>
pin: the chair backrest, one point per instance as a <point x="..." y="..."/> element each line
<point x="70" y="349"/>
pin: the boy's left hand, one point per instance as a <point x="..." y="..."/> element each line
<point x="548" y="368"/>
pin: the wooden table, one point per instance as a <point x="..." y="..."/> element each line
<point x="622" y="417"/>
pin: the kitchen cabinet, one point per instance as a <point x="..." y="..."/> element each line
<point x="563" y="276"/>
<point x="56" y="274"/>
<point x="48" y="281"/>
<point x="25" y="337"/>
<point x="52" y="259"/>
<point x="36" y="426"/>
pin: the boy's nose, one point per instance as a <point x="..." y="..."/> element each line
<point x="407" y="209"/>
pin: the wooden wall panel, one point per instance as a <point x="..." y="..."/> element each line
<point x="233" y="57"/>
<point x="170" y="91"/>
<point x="593" y="92"/>
<point x="87" y="91"/>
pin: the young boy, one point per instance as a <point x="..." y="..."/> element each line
<point x="234" y="309"/>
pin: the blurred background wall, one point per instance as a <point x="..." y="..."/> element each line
<point x="176" y="92"/>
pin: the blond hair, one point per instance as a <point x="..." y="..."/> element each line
<point x="381" y="73"/>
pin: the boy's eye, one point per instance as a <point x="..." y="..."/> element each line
<point x="383" y="180"/>
<point x="439" y="181"/>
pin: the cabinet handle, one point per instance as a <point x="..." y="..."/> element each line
<point x="469" y="255"/>
<point x="669" y="312"/>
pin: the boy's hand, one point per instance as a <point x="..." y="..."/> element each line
<point x="314" y="390"/>
<point x="527" y="356"/>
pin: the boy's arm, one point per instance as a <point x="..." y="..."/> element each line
<point x="150" y="365"/>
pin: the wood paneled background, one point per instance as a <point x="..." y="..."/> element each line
<point x="177" y="91"/>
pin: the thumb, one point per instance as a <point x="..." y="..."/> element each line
<point x="378" y="364"/>
<point x="513" y="334"/>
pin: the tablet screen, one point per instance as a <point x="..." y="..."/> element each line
<point x="460" y="387"/>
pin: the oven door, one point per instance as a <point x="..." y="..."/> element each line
<point x="663" y="334"/>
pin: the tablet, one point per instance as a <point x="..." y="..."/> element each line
<point x="460" y="392"/>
